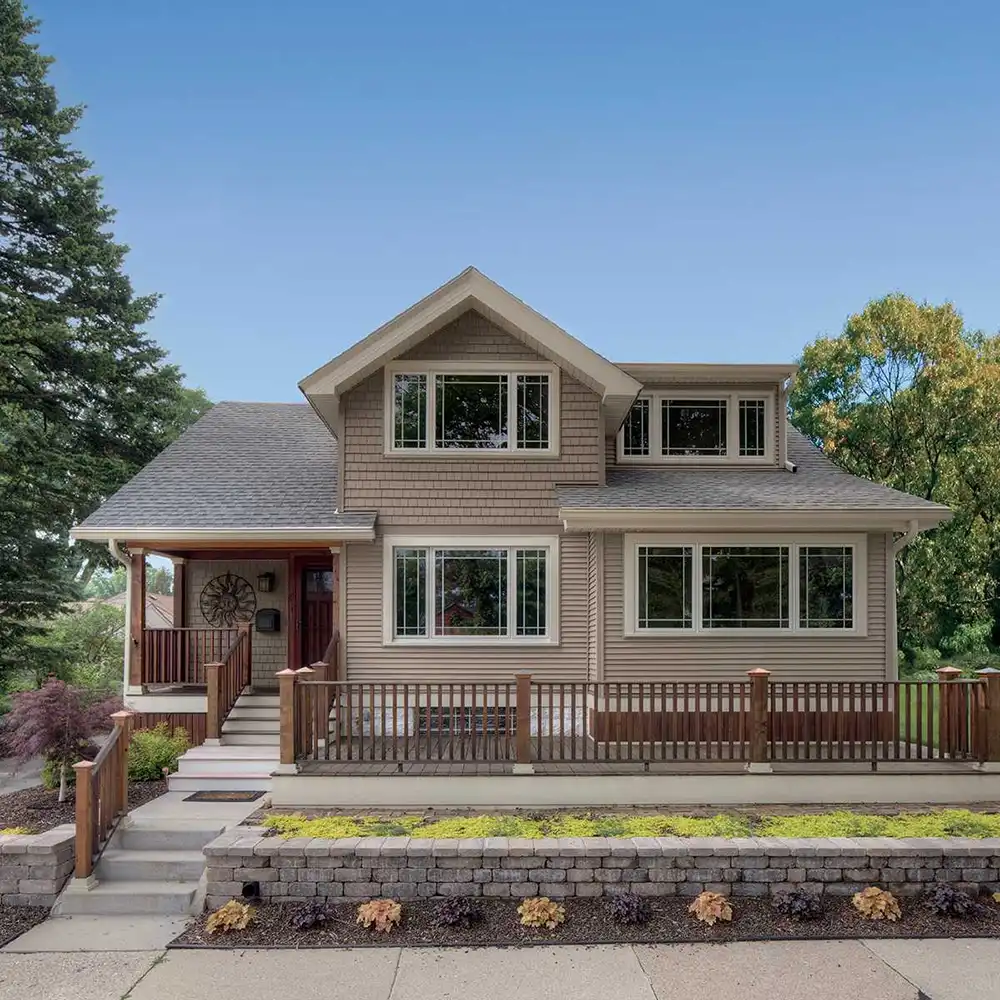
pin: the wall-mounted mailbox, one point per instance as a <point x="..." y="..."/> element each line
<point x="268" y="620"/>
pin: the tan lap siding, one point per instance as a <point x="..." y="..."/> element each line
<point x="718" y="657"/>
<point x="369" y="660"/>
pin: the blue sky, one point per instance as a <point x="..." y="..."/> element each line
<point x="676" y="182"/>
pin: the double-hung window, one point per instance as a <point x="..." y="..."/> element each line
<point x="739" y="584"/>
<point x="699" y="426"/>
<point x="480" y="590"/>
<point x="454" y="408"/>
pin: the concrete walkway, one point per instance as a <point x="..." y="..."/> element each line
<point x="821" y="970"/>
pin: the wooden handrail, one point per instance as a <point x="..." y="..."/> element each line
<point x="101" y="794"/>
<point x="225" y="681"/>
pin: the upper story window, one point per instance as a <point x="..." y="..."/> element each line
<point x="698" y="426"/>
<point x="472" y="408"/>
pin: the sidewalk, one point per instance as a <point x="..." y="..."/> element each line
<point x="825" y="970"/>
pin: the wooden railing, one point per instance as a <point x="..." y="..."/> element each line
<point x="179" y="655"/>
<point x="757" y="722"/>
<point x="225" y="681"/>
<point x="101" y="794"/>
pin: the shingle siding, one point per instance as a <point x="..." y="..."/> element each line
<point x="718" y="657"/>
<point x="464" y="490"/>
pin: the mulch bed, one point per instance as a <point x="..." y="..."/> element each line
<point x="15" y="920"/>
<point x="39" y="809"/>
<point x="587" y="922"/>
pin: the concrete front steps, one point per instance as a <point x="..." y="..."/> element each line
<point x="245" y="757"/>
<point x="150" y="867"/>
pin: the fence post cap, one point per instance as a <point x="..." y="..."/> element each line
<point x="123" y="714"/>
<point x="319" y="663"/>
<point x="759" y="672"/>
<point x="304" y="670"/>
<point x="988" y="672"/>
<point x="83" y="765"/>
<point x="948" y="673"/>
<point x="519" y="676"/>
<point x="287" y="672"/>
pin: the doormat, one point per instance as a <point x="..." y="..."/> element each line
<point x="223" y="797"/>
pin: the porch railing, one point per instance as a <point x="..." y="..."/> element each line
<point x="757" y="722"/>
<point x="101" y="794"/>
<point x="225" y="681"/>
<point x="179" y="655"/>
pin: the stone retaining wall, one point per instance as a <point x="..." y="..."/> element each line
<point x="34" y="867"/>
<point x="408" y="868"/>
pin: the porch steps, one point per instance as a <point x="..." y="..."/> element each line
<point x="150" y="867"/>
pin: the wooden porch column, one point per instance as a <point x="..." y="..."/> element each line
<point x="180" y="593"/>
<point x="991" y="738"/>
<point x="760" y="762"/>
<point x="137" y="614"/>
<point x="522" y="735"/>
<point x="333" y="674"/>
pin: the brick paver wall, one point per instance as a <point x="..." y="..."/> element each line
<point x="34" y="867"/>
<point x="408" y="868"/>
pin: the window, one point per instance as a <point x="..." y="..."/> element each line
<point x="694" y="426"/>
<point x="477" y="592"/>
<point x="826" y="587"/>
<point x="681" y="426"/>
<point x="745" y="586"/>
<point x="743" y="583"/>
<point x="752" y="426"/>
<point x="487" y="411"/>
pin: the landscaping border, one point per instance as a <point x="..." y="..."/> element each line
<point x="34" y="867"/>
<point x="408" y="867"/>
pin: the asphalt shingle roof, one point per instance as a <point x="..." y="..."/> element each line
<point x="242" y="465"/>
<point x="817" y="484"/>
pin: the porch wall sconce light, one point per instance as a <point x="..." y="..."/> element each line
<point x="265" y="583"/>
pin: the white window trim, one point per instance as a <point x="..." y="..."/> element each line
<point x="512" y="370"/>
<point x="732" y="456"/>
<point x="858" y="543"/>
<point x="509" y="542"/>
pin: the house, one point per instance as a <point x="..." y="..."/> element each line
<point x="470" y="493"/>
<point x="159" y="607"/>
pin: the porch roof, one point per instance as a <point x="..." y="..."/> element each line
<point x="818" y="492"/>
<point x="268" y="470"/>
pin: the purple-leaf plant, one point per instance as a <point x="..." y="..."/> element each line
<point x="57" y="722"/>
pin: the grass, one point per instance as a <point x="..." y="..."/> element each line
<point x="941" y="823"/>
<point x="929" y="716"/>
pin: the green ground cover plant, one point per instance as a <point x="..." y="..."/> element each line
<point x="940" y="823"/>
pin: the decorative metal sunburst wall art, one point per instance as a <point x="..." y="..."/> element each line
<point x="227" y="600"/>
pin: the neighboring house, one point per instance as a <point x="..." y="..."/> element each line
<point x="159" y="607"/>
<point x="470" y="492"/>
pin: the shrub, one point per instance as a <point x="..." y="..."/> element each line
<point x="540" y="911"/>
<point x="382" y="914"/>
<point x="628" y="908"/>
<point x="798" y="905"/>
<point x="152" y="750"/>
<point x="709" y="907"/>
<point x="305" y="918"/>
<point x="876" y="904"/>
<point x="57" y="722"/>
<point x="947" y="901"/>
<point x="458" y="911"/>
<point x="231" y="916"/>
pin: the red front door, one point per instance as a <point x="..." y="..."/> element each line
<point x="317" y="613"/>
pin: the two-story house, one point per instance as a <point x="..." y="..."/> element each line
<point x="470" y="492"/>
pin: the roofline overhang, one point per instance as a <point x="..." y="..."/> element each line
<point x="322" y="534"/>
<point x="687" y="519"/>
<point x="683" y="371"/>
<point x="469" y="290"/>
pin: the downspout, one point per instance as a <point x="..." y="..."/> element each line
<point x="891" y="638"/>
<point x="126" y="560"/>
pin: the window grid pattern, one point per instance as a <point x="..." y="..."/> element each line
<point x="752" y="424"/>
<point x="471" y="411"/>
<point x="745" y="586"/>
<point x="635" y="432"/>
<point x="826" y="587"/>
<point x="695" y="427"/>
<point x="410" y="411"/>
<point x="533" y="412"/>
<point x="665" y="586"/>
<point x="495" y="592"/>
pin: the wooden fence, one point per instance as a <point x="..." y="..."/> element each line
<point x="101" y="794"/>
<point x="756" y="722"/>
